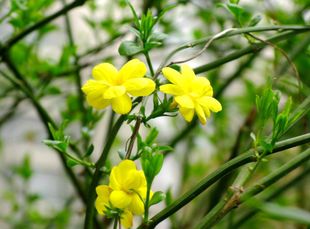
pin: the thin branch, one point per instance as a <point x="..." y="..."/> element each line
<point x="239" y="197"/>
<point x="215" y="37"/>
<point x="88" y="223"/>
<point x="273" y="194"/>
<point x="39" y="24"/>
<point x="232" y="33"/>
<point x="245" y="158"/>
<point x="133" y="137"/>
<point x="45" y="118"/>
<point x="250" y="49"/>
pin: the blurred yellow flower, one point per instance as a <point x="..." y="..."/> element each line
<point x="113" y="87"/>
<point x="102" y="203"/>
<point x="191" y="93"/>
<point x="128" y="187"/>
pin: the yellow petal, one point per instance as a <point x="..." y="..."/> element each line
<point x="103" y="191"/>
<point x="100" y="205"/>
<point x="201" y="86"/>
<point x="210" y="103"/>
<point x="94" y="94"/>
<point x="114" y="179"/>
<point x="126" y="219"/>
<point x="187" y="114"/>
<point x="131" y="180"/>
<point x="201" y="114"/>
<point x="172" y="75"/>
<point x="139" y="86"/>
<point x="136" y="206"/>
<point x="171" y="89"/>
<point x="106" y="72"/>
<point x="119" y="173"/>
<point x="132" y="69"/>
<point x="114" y="91"/>
<point x="187" y="71"/>
<point x="120" y="199"/>
<point x="184" y="101"/>
<point x="122" y="104"/>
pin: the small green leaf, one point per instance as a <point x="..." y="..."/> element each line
<point x="25" y="170"/>
<point x="129" y="48"/>
<point x="89" y="150"/>
<point x="151" y="137"/>
<point x="56" y="144"/>
<point x="71" y="162"/>
<point x="157" y="163"/>
<point x="121" y="154"/>
<point x="255" y="20"/>
<point x="164" y="148"/>
<point x="157" y="197"/>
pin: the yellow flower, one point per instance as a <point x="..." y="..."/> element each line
<point x="128" y="187"/>
<point x="113" y="87"/>
<point x="102" y="202"/>
<point x="191" y="93"/>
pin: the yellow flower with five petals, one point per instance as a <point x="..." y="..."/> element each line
<point x="191" y="93"/>
<point x="113" y="87"/>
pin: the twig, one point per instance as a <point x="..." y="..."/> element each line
<point x="233" y="33"/>
<point x="293" y="66"/>
<point x="247" y="157"/>
<point x="133" y="137"/>
<point x="273" y="194"/>
<point x="217" y="214"/>
<point x="215" y="37"/>
<point x="88" y="223"/>
<point x="39" y="24"/>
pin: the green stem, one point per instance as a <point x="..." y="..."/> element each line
<point x="77" y="75"/>
<point x="88" y="224"/>
<point x="211" y="219"/>
<point x="148" y="60"/>
<point x="147" y="200"/>
<point x="222" y="171"/>
<point x="250" y="49"/>
<point x="115" y="223"/>
<point x="232" y="33"/>
<point x="45" y="118"/>
<point x="271" y="195"/>
<point x="133" y="137"/>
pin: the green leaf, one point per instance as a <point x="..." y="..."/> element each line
<point x="25" y="170"/>
<point x="241" y="14"/>
<point x="157" y="163"/>
<point x="157" y="197"/>
<point x="129" y="48"/>
<point x="56" y="144"/>
<point x="255" y="20"/>
<point x="71" y="162"/>
<point x="89" y="150"/>
<point x="151" y="137"/>
<point x="164" y="148"/>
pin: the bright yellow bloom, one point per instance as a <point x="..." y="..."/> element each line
<point x="113" y="87"/>
<point x="102" y="202"/>
<point x="126" y="191"/>
<point x="128" y="187"/>
<point x="191" y="93"/>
